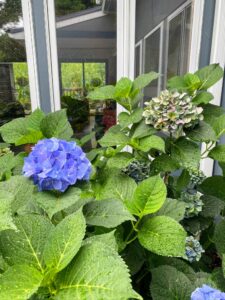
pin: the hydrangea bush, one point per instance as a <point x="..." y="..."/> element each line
<point x="135" y="218"/>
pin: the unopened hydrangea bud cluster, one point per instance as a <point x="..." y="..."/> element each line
<point x="171" y="111"/>
<point x="193" y="249"/>
<point x="196" y="176"/>
<point x="4" y="151"/>
<point x="138" y="170"/>
<point x="55" y="164"/>
<point x="193" y="203"/>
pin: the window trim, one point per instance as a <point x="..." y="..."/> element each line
<point x="31" y="53"/>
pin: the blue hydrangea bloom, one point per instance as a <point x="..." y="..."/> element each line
<point x="55" y="164"/>
<point x="207" y="293"/>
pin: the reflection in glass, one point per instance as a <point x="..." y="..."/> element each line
<point x="174" y="47"/>
<point x="86" y="41"/>
<point x="137" y="60"/>
<point x="152" y="56"/>
<point x="14" y="82"/>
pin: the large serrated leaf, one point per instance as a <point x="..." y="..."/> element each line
<point x="186" y="153"/>
<point x="96" y="273"/>
<point x="13" y="130"/>
<point x="107" y="213"/>
<point x="117" y="186"/>
<point x="142" y="130"/>
<point x="209" y="75"/>
<point x="148" y="197"/>
<point x="64" y="242"/>
<point x="202" y="133"/>
<point x="202" y="98"/>
<point x="22" y="189"/>
<point x="123" y="88"/>
<point x="53" y="203"/>
<point x="56" y="125"/>
<point x="163" y="236"/>
<point x="26" y="245"/>
<point x="6" y="220"/>
<point x="120" y="160"/>
<point x="19" y="282"/>
<point x="32" y="137"/>
<point x="214" y="186"/>
<point x="219" y="238"/>
<point x="102" y="93"/>
<point x="219" y="125"/>
<point x="151" y="142"/>
<point x="212" y="206"/>
<point x="105" y="238"/>
<point x="163" y="163"/>
<point x="126" y="119"/>
<point x="114" y="137"/>
<point x="172" y="208"/>
<point x="172" y="285"/>
<point x="218" y="153"/>
<point x="144" y="79"/>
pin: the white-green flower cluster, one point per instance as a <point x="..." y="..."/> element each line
<point x="172" y="111"/>
<point x="193" y="203"/>
<point x="193" y="249"/>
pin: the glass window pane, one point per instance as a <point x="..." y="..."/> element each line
<point x="137" y="60"/>
<point x="87" y="55"/>
<point x="187" y="42"/>
<point x="14" y="82"/>
<point x="174" y="46"/>
<point x="152" y="55"/>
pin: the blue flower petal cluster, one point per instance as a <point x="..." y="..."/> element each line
<point x="56" y="164"/>
<point x="207" y="293"/>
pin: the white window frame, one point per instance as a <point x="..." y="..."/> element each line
<point x="217" y="56"/>
<point x="139" y="44"/>
<point x="31" y="53"/>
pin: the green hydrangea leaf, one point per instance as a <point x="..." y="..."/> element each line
<point x="34" y="120"/>
<point x="105" y="238"/>
<point x="53" y="203"/>
<point x="96" y="273"/>
<point x="126" y="119"/>
<point x="163" y="236"/>
<point x="142" y="130"/>
<point x="7" y="163"/>
<point x="32" y="137"/>
<point x="26" y="245"/>
<point x="172" y="285"/>
<point x="164" y="163"/>
<point x="151" y="142"/>
<point x="56" y="125"/>
<point x="19" y="282"/>
<point x="120" y="160"/>
<point x="172" y="208"/>
<point x="186" y="153"/>
<point x="202" y="98"/>
<point x="219" y="125"/>
<point x="212" y="206"/>
<point x="209" y="75"/>
<point x="218" y="153"/>
<point x="219" y="238"/>
<point x="21" y="188"/>
<point x="202" y="133"/>
<point x="123" y="88"/>
<point x="114" y="137"/>
<point x="116" y="186"/>
<point x="102" y="93"/>
<point x="214" y="186"/>
<point x="149" y="197"/>
<point x="13" y="130"/>
<point x="6" y="220"/>
<point x="144" y="79"/>
<point x="64" y="242"/>
<point x="211" y="113"/>
<point x="107" y="213"/>
<point x="219" y="279"/>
